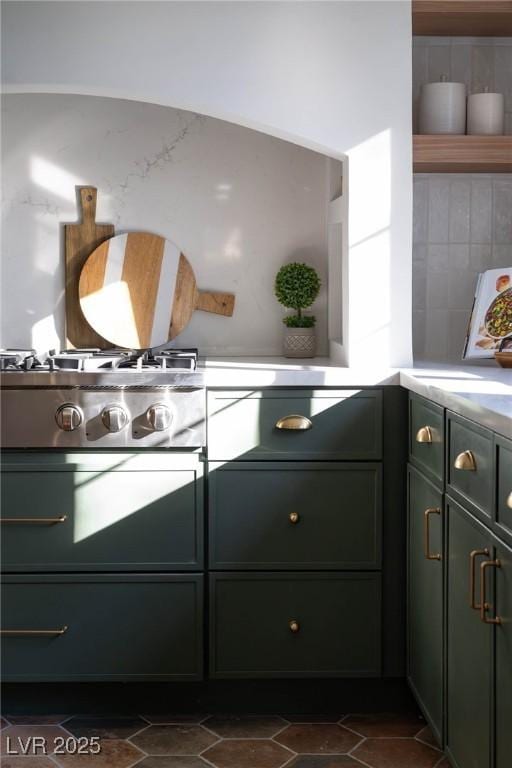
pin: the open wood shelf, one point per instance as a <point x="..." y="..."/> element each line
<point x="466" y="18"/>
<point x="462" y="154"/>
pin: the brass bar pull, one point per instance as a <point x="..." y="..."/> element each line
<point x="485" y="606"/>
<point x="509" y="500"/>
<point x="294" y="626"/>
<point x="33" y="632"/>
<point x="34" y="520"/>
<point x="426" y="532"/>
<point x="472" y="555"/>
<point x="465" y="461"/>
<point x="294" y="421"/>
<point x="424" y="435"/>
<point x="294" y="518"/>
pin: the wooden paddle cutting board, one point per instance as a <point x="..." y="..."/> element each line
<point x="138" y="291"/>
<point x="80" y="241"/>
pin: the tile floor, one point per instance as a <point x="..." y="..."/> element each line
<point x="250" y="741"/>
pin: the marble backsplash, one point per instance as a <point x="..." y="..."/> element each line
<point x="239" y="203"/>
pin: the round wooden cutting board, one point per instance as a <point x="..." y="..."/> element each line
<point x="138" y="291"/>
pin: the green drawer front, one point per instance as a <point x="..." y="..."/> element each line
<point x="473" y="487"/>
<point x="115" y="515"/>
<point x="119" y="627"/>
<point x="338" y="616"/>
<point x="504" y="486"/>
<point x="254" y="509"/>
<point x="345" y="424"/>
<point x="426" y="436"/>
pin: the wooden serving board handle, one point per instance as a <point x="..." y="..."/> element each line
<point x="213" y="301"/>
<point x="80" y="241"/>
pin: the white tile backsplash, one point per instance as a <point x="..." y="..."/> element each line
<point x="462" y="226"/>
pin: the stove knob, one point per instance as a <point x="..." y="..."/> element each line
<point x="115" y="418"/>
<point x="159" y="417"/>
<point x="69" y="417"/>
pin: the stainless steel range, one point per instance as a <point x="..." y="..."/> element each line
<point x="102" y="399"/>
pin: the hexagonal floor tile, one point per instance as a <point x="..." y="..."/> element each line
<point x="385" y="724"/>
<point x="20" y="734"/>
<point x="27" y="762"/>
<point x="168" y="761"/>
<point x="426" y="734"/>
<point x="396" y="753"/>
<point x="174" y="740"/>
<point x="117" y="727"/>
<point x="324" y="761"/>
<point x="247" y="753"/>
<point x="318" y="739"/>
<point x="114" y="752"/>
<point x="245" y="726"/>
<point x="36" y="719"/>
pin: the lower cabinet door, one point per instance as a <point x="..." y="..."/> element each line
<point x="295" y="625"/>
<point x="504" y="658"/>
<point x="425" y="598"/>
<point x="469" y="643"/>
<point x="102" y="627"/>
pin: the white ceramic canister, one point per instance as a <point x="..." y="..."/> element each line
<point x="486" y="114"/>
<point x="443" y="107"/>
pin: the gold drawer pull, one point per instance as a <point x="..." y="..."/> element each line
<point x="509" y="500"/>
<point x="294" y="626"/>
<point x="472" y="555"/>
<point x="485" y="606"/>
<point x="33" y="632"/>
<point x="424" y="435"/>
<point x="465" y="461"/>
<point x="294" y="518"/>
<point x="426" y="532"/>
<point x="34" y="520"/>
<point x="294" y="421"/>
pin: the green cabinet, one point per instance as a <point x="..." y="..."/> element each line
<point x="469" y="643"/>
<point x="425" y="597"/>
<point x="470" y="473"/>
<point x="504" y="489"/>
<point x="503" y="632"/>
<point x="295" y="515"/>
<point x="295" y="625"/>
<point x="109" y="512"/>
<point x="332" y="424"/>
<point x="102" y="627"/>
<point x="426" y="437"/>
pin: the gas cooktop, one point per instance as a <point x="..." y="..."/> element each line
<point x="99" y="360"/>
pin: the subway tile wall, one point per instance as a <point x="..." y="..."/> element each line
<point x="462" y="222"/>
<point x="479" y="62"/>
<point x="462" y="226"/>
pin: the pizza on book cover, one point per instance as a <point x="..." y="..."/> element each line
<point x="490" y="324"/>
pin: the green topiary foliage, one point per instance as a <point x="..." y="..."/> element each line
<point x="297" y="287"/>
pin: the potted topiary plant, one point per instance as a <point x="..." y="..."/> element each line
<point x="297" y="287"/>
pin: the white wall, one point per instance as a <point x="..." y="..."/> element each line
<point x="334" y="75"/>
<point x="239" y="203"/>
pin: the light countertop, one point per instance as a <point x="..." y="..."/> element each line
<point x="482" y="392"/>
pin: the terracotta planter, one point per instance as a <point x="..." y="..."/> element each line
<point x="299" y="342"/>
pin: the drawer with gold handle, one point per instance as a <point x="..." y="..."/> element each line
<point x="485" y="607"/>
<point x="471" y="466"/>
<point x="426" y="532"/>
<point x="426" y="436"/>
<point x="295" y="422"/>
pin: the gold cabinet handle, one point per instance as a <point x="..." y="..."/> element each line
<point x="465" y="461"/>
<point x="294" y="518"/>
<point x="294" y="421"/>
<point x="426" y="532"/>
<point x="424" y="435"/>
<point x="485" y="606"/>
<point x="509" y="500"/>
<point x="33" y="632"/>
<point x="472" y="556"/>
<point x="34" y="520"/>
<point x="294" y="626"/>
